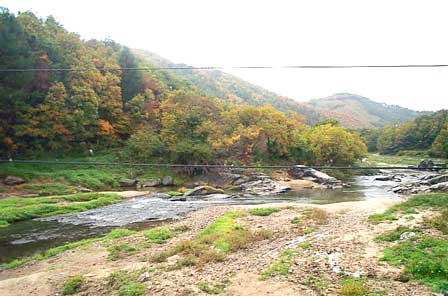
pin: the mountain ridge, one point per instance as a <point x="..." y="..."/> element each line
<point x="351" y="110"/>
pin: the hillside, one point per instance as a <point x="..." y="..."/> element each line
<point x="232" y="89"/>
<point x="355" y="111"/>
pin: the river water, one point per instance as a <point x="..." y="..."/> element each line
<point x="28" y="237"/>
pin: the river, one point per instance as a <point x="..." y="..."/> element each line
<point x="28" y="237"/>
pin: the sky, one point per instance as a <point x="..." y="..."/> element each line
<point x="278" y="33"/>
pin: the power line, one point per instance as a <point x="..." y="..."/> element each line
<point x="212" y="166"/>
<point x="16" y="70"/>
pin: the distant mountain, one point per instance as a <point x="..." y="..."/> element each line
<point x="231" y="89"/>
<point x="356" y="111"/>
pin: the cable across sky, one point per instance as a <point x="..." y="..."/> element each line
<point x="16" y="70"/>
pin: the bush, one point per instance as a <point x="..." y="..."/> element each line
<point x="263" y="211"/>
<point x="73" y="285"/>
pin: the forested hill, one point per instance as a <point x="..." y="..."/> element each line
<point x="232" y="89"/>
<point x="355" y="111"/>
<point x="152" y="115"/>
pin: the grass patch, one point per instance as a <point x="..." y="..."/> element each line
<point x="318" y="283"/>
<point x="296" y="220"/>
<point x="73" y="285"/>
<point x="134" y="289"/>
<point x="19" y="209"/>
<point x="209" y="288"/>
<point x="119" y="251"/>
<point x="125" y="283"/>
<point x="119" y="233"/>
<point x="93" y="177"/>
<point x="439" y="222"/>
<point x="222" y="236"/>
<point x="353" y="287"/>
<point x="280" y="267"/>
<point x="263" y="211"/>
<point x="158" y="235"/>
<point x="318" y="216"/>
<point x="394" y="235"/>
<point x="309" y="230"/>
<point x="50" y="189"/>
<point x="174" y="193"/>
<point x="424" y="260"/>
<point x="436" y="201"/>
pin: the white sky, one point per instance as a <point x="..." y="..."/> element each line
<point x="239" y="33"/>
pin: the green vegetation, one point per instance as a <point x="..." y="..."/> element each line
<point x="210" y="289"/>
<point x="119" y="233"/>
<point x="282" y="266"/>
<point x="171" y="116"/>
<point x="424" y="259"/>
<point x="263" y="211"/>
<point x="158" y="235"/>
<point x="394" y="235"/>
<point x="18" y="209"/>
<point x="50" y="189"/>
<point x="73" y="285"/>
<point x="413" y="139"/>
<point x="49" y="253"/>
<point x="134" y="289"/>
<point x="318" y="283"/>
<point x="353" y="287"/>
<point x="68" y="176"/>
<point x="120" y="250"/>
<point x="174" y="193"/>
<point x="126" y="283"/>
<point x="219" y="238"/>
<point x="437" y="201"/>
<point x="296" y="220"/>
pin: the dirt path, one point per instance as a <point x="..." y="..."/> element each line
<point x="344" y="244"/>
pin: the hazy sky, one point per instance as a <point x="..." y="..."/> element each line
<point x="240" y="33"/>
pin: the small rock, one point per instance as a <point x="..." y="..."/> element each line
<point x="178" y="198"/>
<point x="167" y="181"/>
<point x="83" y="189"/>
<point x="172" y="260"/>
<point x="11" y="180"/>
<point x="127" y="182"/>
<point x="144" y="277"/>
<point x="407" y="235"/>
<point x="203" y="190"/>
<point x="161" y="195"/>
<point x="150" y="183"/>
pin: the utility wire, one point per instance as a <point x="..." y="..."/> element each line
<point x="15" y="70"/>
<point x="220" y="166"/>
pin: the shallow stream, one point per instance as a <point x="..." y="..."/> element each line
<point x="27" y="237"/>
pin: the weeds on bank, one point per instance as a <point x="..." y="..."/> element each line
<point x="353" y="287"/>
<point x="158" y="235"/>
<point x="424" y="259"/>
<point x="18" y="209"/>
<point x="318" y="216"/>
<point x="119" y="251"/>
<point x="125" y="283"/>
<point x="394" y="235"/>
<point x="73" y="285"/>
<point x="263" y="211"/>
<point x="50" y="189"/>
<point x="210" y="288"/>
<point x="213" y="243"/>
<point x="281" y="266"/>
<point x="436" y="201"/>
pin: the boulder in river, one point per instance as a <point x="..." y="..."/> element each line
<point x="439" y="187"/>
<point x="178" y="198"/>
<point x="161" y="195"/>
<point x="12" y="180"/>
<point x="203" y="190"/>
<point x="387" y="178"/>
<point x="264" y="186"/>
<point x="167" y="181"/>
<point x="150" y="183"/>
<point x="438" y="179"/>
<point x="124" y="182"/>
